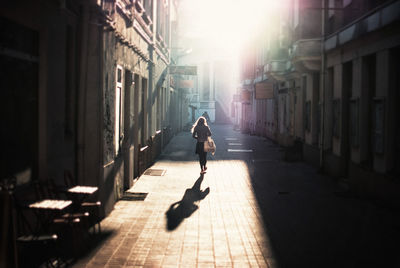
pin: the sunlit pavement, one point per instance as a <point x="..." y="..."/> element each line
<point x="260" y="212"/>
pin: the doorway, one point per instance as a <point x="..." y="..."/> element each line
<point x="368" y="94"/>
<point x="347" y="81"/>
<point x="19" y="61"/>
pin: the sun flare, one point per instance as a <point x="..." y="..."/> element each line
<point x="226" y="24"/>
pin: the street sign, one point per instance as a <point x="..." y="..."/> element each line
<point x="245" y="96"/>
<point x="184" y="70"/>
<point x="264" y="90"/>
<point x="186" y="83"/>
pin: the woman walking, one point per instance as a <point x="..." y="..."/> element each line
<point x="201" y="132"/>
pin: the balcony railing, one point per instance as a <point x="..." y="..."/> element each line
<point x="307" y="48"/>
<point x="306" y="55"/>
<point x="276" y="66"/>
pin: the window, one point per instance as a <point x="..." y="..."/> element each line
<point x="354" y="121"/>
<point x="287" y="113"/>
<point x="143" y="120"/>
<point x="378" y="125"/>
<point x="167" y="27"/>
<point x="160" y="18"/>
<point x="205" y="96"/>
<point x="296" y="13"/>
<point x="347" y="2"/>
<point x="331" y="7"/>
<point x="318" y="118"/>
<point x="118" y="110"/>
<point x="148" y="7"/>
<point x="119" y="75"/>
<point x="307" y="122"/>
<point x="336" y="118"/>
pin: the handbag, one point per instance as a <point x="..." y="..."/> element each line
<point x="209" y="146"/>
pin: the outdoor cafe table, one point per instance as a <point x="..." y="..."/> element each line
<point x="88" y="190"/>
<point x="81" y="192"/>
<point x="51" y="204"/>
<point x="46" y="210"/>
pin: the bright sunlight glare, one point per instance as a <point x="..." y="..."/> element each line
<point x="226" y="24"/>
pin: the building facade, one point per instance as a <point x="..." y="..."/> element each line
<point x="361" y="94"/>
<point x="87" y="91"/>
<point x="334" y="75"/>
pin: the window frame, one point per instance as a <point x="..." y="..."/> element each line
<point x="118" y="116"/>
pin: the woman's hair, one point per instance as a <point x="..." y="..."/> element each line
<point x="199" y="122"/>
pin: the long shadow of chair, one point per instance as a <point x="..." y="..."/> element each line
<point x="184" y="208"/>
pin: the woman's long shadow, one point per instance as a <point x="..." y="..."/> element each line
<point x="182" y="209"/>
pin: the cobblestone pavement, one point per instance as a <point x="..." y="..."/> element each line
<point x="260" y="212"/>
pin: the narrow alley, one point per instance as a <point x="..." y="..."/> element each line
<point x="98" y="165"/>
<point x="261" y="211"/>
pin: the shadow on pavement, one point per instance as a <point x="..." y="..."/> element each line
<point x="90" y="247"/>
<point x="310" y="220"/>
<point x="184" y="208"/>
<point x="63" y="253"/>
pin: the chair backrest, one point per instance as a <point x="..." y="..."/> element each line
<point x="69" y="179"/>
<point x="45" y="189"/>
<point x="52" y="191"/>
<point x="40" y="192"/>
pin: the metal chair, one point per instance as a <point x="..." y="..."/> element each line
<point x="93" y="207"/>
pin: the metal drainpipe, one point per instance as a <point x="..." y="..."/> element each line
<point x="323" y="76"/>
<point x="101" y="107"/>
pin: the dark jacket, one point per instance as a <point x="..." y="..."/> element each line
<point x="201" y="133"/>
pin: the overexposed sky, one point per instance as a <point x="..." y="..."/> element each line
<point x="225" y="24"/>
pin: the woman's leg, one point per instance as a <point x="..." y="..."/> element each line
<point x="205" y="160"/>
<point x="201" y="161"/>
<point x="203" y="157"/>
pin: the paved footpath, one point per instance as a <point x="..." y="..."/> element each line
<point x="260" y="211"/>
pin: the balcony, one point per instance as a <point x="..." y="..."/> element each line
<point x="306" y="55"/>
<point x="276" y="66"/>
<point x="277" y="63"/>
<point x="276" y="69"/>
